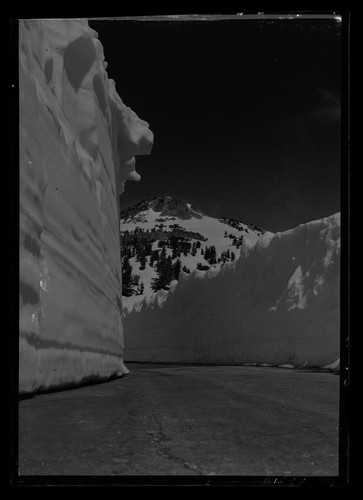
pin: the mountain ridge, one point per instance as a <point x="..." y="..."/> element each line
<point x="177" y="207"/>
<point x="166" y="205"/>
<point x="182" y="232"/>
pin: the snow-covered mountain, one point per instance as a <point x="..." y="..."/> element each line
<point x="278" y="304"/>
<point x="160" y="220"/>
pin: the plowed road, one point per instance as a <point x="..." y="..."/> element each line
<point x="186" y="420"/>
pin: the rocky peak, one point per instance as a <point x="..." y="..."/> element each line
<point x="166" y="205"/>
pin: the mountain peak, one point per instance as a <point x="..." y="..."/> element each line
<point x="166" y="205"/>
<point x="184" y="232"/>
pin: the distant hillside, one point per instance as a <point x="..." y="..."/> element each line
<point x="162" y="235"/>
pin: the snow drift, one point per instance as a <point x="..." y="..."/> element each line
<point x="278" y="304"/>
<point x="78" y="143"/>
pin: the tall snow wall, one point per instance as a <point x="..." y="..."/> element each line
<point x="78" y="143"/>
<point x="279" y="304"/>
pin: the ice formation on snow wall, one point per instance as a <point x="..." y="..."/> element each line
<point x="278" y="304"/>
<point x="78" y="143"/>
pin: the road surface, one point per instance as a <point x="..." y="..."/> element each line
<point x="186" y="420"/>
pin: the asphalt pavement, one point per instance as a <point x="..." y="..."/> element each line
<point x="186" y="420"/>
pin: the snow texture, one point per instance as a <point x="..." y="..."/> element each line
<point x="278" y="304"/>
<point x="78" y="143"/>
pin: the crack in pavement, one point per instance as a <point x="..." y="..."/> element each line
<point x="159" y="440"/>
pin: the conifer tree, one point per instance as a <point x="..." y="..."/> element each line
<point x="176" y="269"/>
<point x="201" y="267"/>
<point x="127" y="288"/>
<point x="153" y="257"/>
<point x="210" y="254"/>
<point x="164" y="269"/>
<point x="213" y="257"/>
<point x="142" y="261"/>
<point x="135" y="279"/>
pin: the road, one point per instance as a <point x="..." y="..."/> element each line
<point x="186" y="420"/>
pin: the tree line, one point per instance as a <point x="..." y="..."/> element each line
<point x="139" y="243"/>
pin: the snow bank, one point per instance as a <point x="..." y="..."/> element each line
<point x="78" y="143"/>
<point x="278" y="304"/>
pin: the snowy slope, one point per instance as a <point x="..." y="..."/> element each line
<point x="78" y="143"/>
<point x="210" y="227"/>
<point x="277" y="304"/>
<point x="146" y="215"/>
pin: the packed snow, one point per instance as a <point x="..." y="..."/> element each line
<point x="78" y="142"/>
<point x="278" y="304"/>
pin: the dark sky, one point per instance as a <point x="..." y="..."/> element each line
<point x="245" y="113"/>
